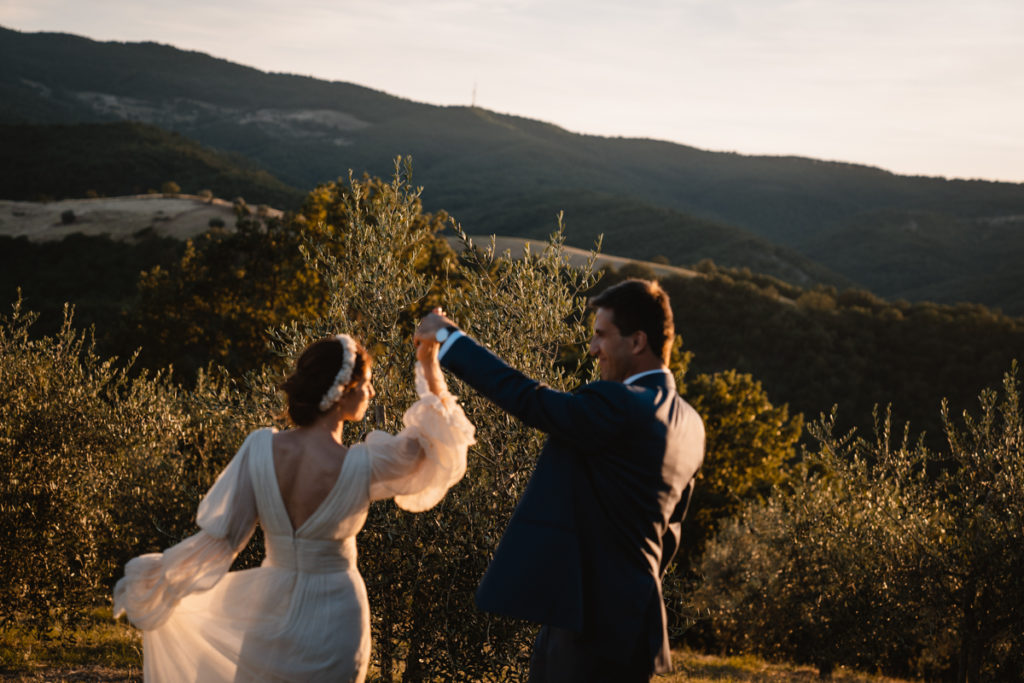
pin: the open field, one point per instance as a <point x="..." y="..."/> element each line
<point x="120" y="218"/>
<point x="516" y="246"/>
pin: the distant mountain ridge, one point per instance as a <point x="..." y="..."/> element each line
<point x="799" y="219"/>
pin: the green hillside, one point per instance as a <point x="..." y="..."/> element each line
<point x="954" y="258"/>
<point x="497" y="172"/>
<point x="113" y="159"/>
<point x="647" y="232"/>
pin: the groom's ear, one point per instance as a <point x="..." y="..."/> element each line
<point x="639" y="342"/>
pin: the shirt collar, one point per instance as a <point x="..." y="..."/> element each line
<point x="633" y="378"/>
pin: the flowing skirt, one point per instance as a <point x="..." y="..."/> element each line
<point x="265" y="624"/>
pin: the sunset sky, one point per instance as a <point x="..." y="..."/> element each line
<point x="932" y="87"/>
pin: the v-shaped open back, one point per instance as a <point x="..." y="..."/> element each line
<point x="273" y="512"/>
<point x="324" y="503"/>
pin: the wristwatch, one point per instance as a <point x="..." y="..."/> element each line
<point x="443" y="333"/>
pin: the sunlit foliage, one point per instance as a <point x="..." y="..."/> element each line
<point x="886" y="553"/>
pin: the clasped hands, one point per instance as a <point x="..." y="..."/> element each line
<point x="424" y="336"/>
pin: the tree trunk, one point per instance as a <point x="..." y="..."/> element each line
<point x="968" y="661"/>
<point x="974" y="661"/>
<point x="385" y="649"/>
<point x="414" y="672"/>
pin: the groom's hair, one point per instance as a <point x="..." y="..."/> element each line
<point x="314" y="373"/>
<point x="640" y="305"/>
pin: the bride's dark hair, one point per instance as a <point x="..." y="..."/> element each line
<point x="314" y="372"/>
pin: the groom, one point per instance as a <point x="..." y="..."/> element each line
<point x="599" y="521"/>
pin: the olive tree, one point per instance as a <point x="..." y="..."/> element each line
<point x="885" y="554"/>
<point x="98" y="464"/>
<point x="421" y="570"/>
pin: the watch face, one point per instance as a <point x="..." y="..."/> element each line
<point x="441" y="335"/>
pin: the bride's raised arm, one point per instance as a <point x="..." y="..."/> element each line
<point x="418" y="465"/>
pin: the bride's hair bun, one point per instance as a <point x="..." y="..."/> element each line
<point x="314" y="373"/>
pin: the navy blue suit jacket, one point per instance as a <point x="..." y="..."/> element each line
<point x="599" y="521"/>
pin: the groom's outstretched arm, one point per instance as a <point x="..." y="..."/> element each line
<point x="590" y="417"/>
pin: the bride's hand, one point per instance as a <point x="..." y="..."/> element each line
<point x="427" y="348"/>
<point x="426" y="351"/>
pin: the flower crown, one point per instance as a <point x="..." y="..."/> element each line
<point x="344" y="376"/>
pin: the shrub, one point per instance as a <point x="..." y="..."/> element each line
<point x="889" y="556"/>
<point x="98" y="466"/>
<point x="750" y="448"/>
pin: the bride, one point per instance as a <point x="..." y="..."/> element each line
<point x="303" y="614"/>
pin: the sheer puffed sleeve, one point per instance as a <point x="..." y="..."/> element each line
<point x="153" y="584"/>
<point x="418" y="465"/>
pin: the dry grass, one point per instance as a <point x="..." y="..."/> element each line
<point x="181" y="216"/>
<point x="98" y="649"/>
<point x="694" y="667"/>
<point x="577" y="257"/>
<point x="78" y="674"/>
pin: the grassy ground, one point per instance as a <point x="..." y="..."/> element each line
<point x="108" y="651"/>
<point x="99" y="649"/>
<point x="694" y="667"/>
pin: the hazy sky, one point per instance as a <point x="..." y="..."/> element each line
<point x="933" y="87"/>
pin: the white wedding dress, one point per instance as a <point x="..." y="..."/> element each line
<point x="303" y="614"/>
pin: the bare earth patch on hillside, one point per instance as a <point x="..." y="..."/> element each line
<point x="516" y="246"/>
<point x="120" y="218"/>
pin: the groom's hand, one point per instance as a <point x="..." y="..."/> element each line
<point x="426" y="342"/>
<point x="429" y="326"/>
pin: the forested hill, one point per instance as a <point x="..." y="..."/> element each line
<point x="817" y="348"/>
<point x="773" y="214"/>
<point x="70" y="161"/>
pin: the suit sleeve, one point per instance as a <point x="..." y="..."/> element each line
<point x="589" y="417"/>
